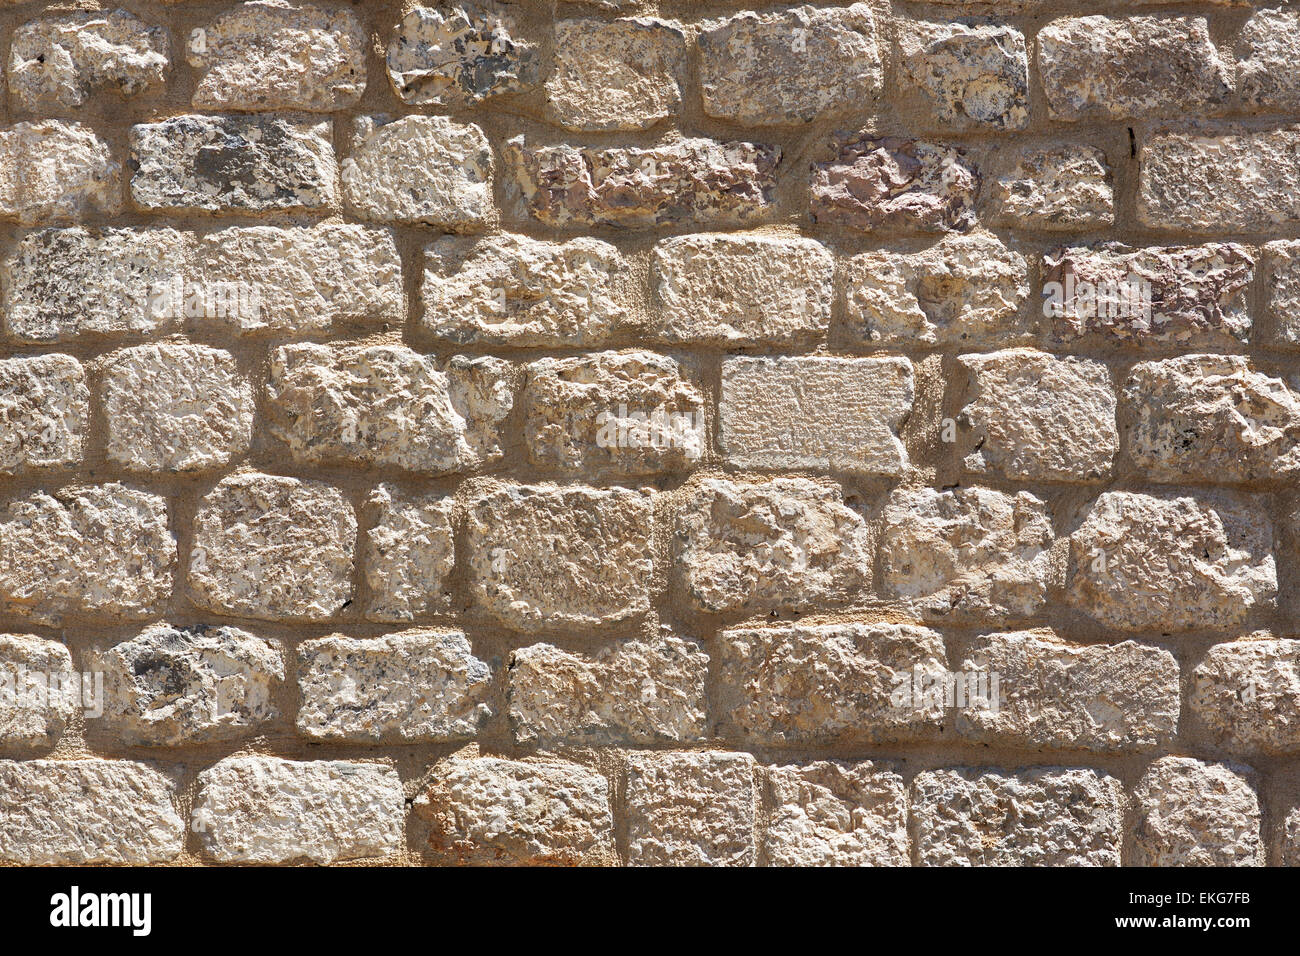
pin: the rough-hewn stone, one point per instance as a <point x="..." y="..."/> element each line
<point x="1060" y="188"/>
<point x="832" y="813"/>
<point x="1267" y="50"/>
<point x="407" y="553"/>
<point x="44" y="413"/>
<point x="690" y="809"/>
<point x="1246" y="694"/>
<point x="39" y="692"/>
<point x="56" y="172"/>
<point x="966" y="77"/>
<point x="1280" y="265"/>
<point x="1191" y="813"/>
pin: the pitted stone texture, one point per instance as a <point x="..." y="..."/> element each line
<point x="56" y="172"/>
<point x="690" y="808"/>
<point x="269" y="55"/>
<point x="1118" y="67"/>
<point x="1215" y="563"/>
<point x="175" y="408"/>
<point x="616" y="75"/>
<point x="832" y="813"/>
<point x="407" y="554"/>
<point x="967" y="555"/>
<point x="386" y="406"/>
<point x="60" y="62"/>
<point x="102" y="551"/>
<point x="1291" y="839"/>
<point x="305" y="280"/>
<point x="489" y="811"/>
<point x="633" y="413"/>
<point x="508" y="289"/>
<point x="270" y="547"/>
<point x="966" y="77"/>
<point x="459" y="56"/>
<point x="267" y="810"/>
<point x="1063" y="188"/>
<point x="64" y="284"/>
<point x="36" y="705"/>
<point x="729" y="289"/>
<point x="846" y="683"/>
<point x="1185" y="296"/>
<point x="691" y="180"/>
<point x="44" y="413"/>
<point x="780" y="544"/>
<point x="171" y="686"/>
<point x="1268" y="48"/>
<point x="635" y="692"/>
<point x="1035" y="417"/>
<point x="1281" y="268"/>
<point x="841" y="414"/>
<point x="1216" y="181"/>
<point x="895" y="185"/>
<point x="233" y="164"/>
<point x="414" y="686"/>
<point x="1211" y="418"/>
<point x="790" y="66"/>
<point x="419" y="170"/>
<point x="964" y="289"/>
<point x="1192" y="813"/>
<point x="1247" y="695"/>
<point x="72" y="812"/>
<point x="1050" y="816"/>
<point x="1105" y="698"/>
<point x="557" y="557"/>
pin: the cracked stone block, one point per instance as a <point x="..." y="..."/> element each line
<point x="1268" y="48"/>
<point x="1246" y="694"/>
<point x="171" y="686"/>
<point x="834" y="813"/>
<point x="273" y="548"/>
<point x="44" y="413"/>
<point x="692" y="808"/>
<point x="778" y="544"/>
<point x="634" y="692"/>
<point x="966" y="77"/>
<point x="56" y="172"/>
<point x="39" y="693"/>
<point x="1061" y="188"/>
<point x="407" y="553"/>
<point x="1192" y="813"/>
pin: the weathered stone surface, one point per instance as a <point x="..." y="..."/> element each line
<point x="1216" y="181"/>
<point x="267" y="810"/>
<point x="1268" y="48"/>
<point x="271" y="547"/>
<point x="1215" y="562"/>
<point x="508" y="289"/>
<point x="835" y="683"/>
<point x="1192" y="813"/>
<point x="790" y="66"/>
<point x="1280" y="265"/>
<point x="1062" y="188"/>
<point x="1053" y="694"/>
<point x="1050" y="816"/>
<point x="1211" y="418"/>
<point x="1246" y="694"/>
<point x="1116" y="67"/>
<point x="44" y="413"/>
<point x="59" y="62"/>
<point x="1291" y="839"/>
<point x="413" y="686"/>
<point x="966" y="554"/>
<point x="629" y="412"/>
<point x="1034" y="417"/>
<point x="964" y="289"/>
<point x="426" y="170"/>
<point x="36" y="704"/>
<point x="730" y="289"/>
<point x="69" y="812"/>
<point x="170" y="686"/>
<point x="783" y="543"/>
<point x="690" y="809"/>
<point x="616" y="75"/>
<point x="268" y="55"/>
<point x="690" y="180"/>
<point x="232" y="164"/>
<point x="459" y="55"/>
<point x="407" y="553"/>
<point x="102" y="551"/>
<point x="634" y="692"/>
<point x="1188" y="296"/>
<point x="175" y="408"/>
<point x="832" y="813"/>
<point x="841" y="414"/>
<point x="56" y="172"/>
<point x="63" y="284"/>
<point x="966" y="77"/>
<point x="486" y="810"/>
<point x="555" y="557"/>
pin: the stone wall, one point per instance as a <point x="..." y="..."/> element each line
<point x="650" y="433"/>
